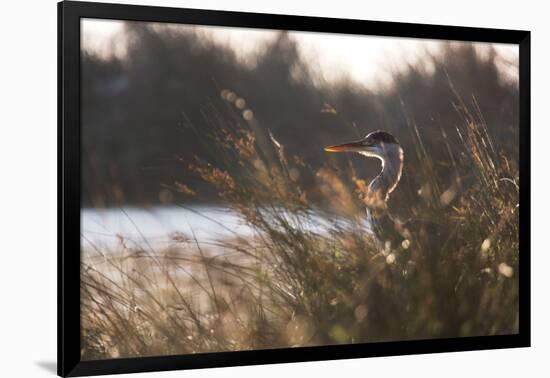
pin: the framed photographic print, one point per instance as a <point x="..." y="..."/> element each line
<point x="239" y="188"/>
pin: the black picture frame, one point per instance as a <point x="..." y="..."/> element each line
<point x="69" y="15"/>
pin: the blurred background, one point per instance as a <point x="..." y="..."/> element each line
<point x="150" y="91"/>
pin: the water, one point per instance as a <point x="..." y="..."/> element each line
<point x="158" y="226"/>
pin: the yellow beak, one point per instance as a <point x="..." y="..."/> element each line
<point x="344" y="147"/>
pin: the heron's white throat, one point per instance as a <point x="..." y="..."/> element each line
<point x="391" y="158"/>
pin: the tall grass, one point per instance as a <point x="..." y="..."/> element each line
<point x="313" y="274"/>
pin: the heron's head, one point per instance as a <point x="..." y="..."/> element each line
<point x="378" y="144"/>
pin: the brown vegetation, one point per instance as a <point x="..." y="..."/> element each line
<point x="296" y="284"/>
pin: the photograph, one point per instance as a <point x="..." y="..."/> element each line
<point x="249" y="189"/>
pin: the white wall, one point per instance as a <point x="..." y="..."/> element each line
<point x="28" y="203"/>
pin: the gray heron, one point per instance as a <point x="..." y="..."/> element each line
<point x="385" y="147"/>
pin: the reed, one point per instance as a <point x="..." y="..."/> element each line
<point x="301" y="281"/>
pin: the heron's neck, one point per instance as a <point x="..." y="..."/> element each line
<point x="392" y="165"/>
